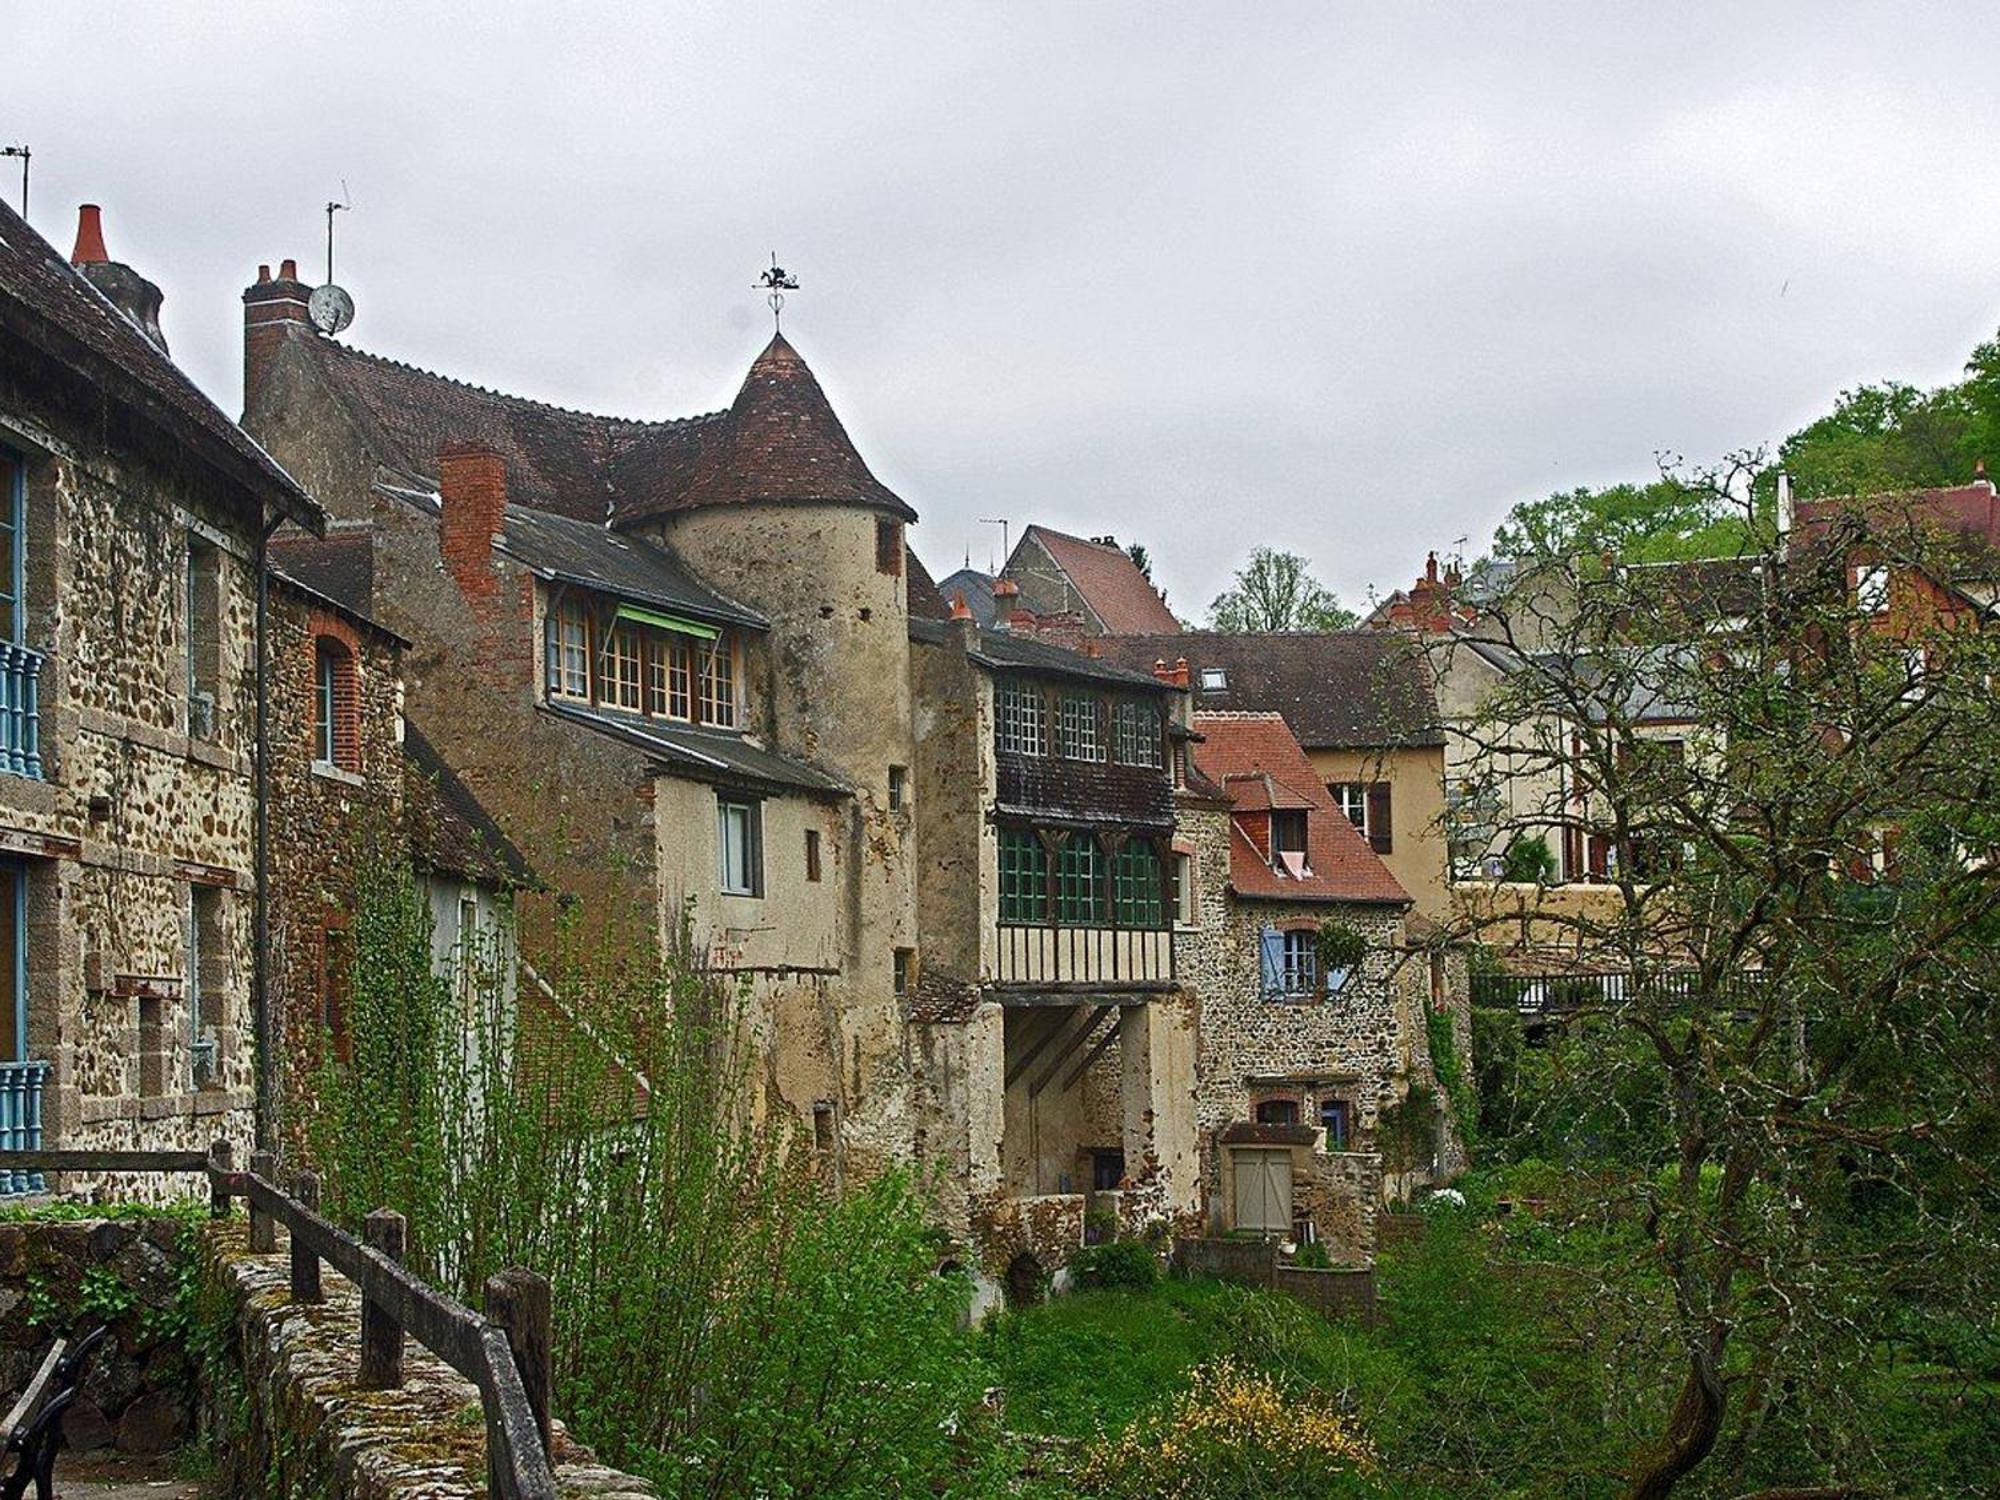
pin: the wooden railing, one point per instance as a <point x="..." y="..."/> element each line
<point x="505" y="1353"/>
<point x="20" y="710"/>
<point x="1107" y="957"/>
<point x="21" y="1085"/>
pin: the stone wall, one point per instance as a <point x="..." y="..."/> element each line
<point x="143" y="799"/>
<point x="286" y="1417"/>
<point x="1340" y="1293"/>
<point x="62" y="1278"/>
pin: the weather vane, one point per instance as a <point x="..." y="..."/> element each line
<point x="777" y="281"/>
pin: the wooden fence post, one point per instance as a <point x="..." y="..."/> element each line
<point x="305" y="1264"/>
<point x="381" y="1334"/>
<point x="263" y="1228"/>
<point x="518" y="1300"/>
<point x="221" y="1158"/>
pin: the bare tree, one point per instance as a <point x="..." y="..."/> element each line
<point x="1782" y="783"/>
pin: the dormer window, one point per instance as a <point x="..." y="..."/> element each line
<point x="569" y="653"/>
<point x="1288" y="843"/>
<point x="718" y="685"/>
<point x="1214" y="680"/>
<point x="641" y="661"/>
<point x="618" y="669"/>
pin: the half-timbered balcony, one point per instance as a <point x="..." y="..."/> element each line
<point x="1101" y="957"/>
<point x="20" y="710"/>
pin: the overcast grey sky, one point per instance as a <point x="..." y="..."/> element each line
<point x="1345" y="278"/>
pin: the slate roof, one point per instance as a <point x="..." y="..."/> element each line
<point x="589" y="553"/>
<point x="1002" y="651"/>
<point x="707" y="754"/>
<point x="339" y="565"/>
<point x="1260" y="765"/>
<point x="1107" y="581"/>
<point x="1704" y="591"/>
<point x="779" y="440"/>
<point x="1343" y="689"/>
<point x="977" y="589"/>
<point x="449" y="831"/>
<point x="48" y="306"/>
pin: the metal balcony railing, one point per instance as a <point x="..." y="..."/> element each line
<point x="1109" y="956"/>
<point x="21" y="1086"/>
<point x="20" y="710"/>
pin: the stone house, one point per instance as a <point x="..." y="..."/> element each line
<point x="132" y="522"/>
<point x="1364" y="708"/>
<point x="1302" y="1069"/>
<point x="1055" y="1039"/>
<point x="1064" y="588"/>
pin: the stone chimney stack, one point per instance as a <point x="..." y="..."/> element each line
<point x="126" y="290"/>
<point x="273" y="310"/>
<point x="1005" y="593"/>
<point x="472" y="489"/>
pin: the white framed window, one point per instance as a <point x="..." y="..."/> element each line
<point x="1214" y="680"/>
<point x="1077" y="728"/>
<point x="618" y="669"/>
<point x="718" y="685"/>
<point x="1020" y="719"/>
<point x="1871" y="590"/>
<point x="569" y="653"/>
<point x="669" y="678"/>
<point x="1187" y="909"/>
<point x="739" y="842"/>
<point x="1353" y="799"/>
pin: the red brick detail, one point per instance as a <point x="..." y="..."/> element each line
<point x="272" y="310"/>
<point x="472" y="485"/>
<point x="338" y="636"/>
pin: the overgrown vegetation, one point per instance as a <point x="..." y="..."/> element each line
<point x="724" y="1324"/>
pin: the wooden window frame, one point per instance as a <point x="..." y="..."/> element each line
<point x="621" y="657"/>
<point x="569" y="653"/>
<point x="1081" y="880"/>
<point x="1024" y="878"/>
<point x="814" y="871"/>
<point x="1020" y="719"/>
<point x="718" y="678"/>
<point x="1080" y="729"/>
<point x="752" y="813"/>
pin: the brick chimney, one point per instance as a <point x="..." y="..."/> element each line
<point x="472" y="486"/>
<point x="1005" y="593"/>
<point x="1174" y="676"/>
<point x="273" y="310"/>
<point x="126" y="290"/>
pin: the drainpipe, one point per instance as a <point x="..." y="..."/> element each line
<point x="260" y="992"/>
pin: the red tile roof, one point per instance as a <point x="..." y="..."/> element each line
<point x="1109" y="583"/>
<point x="1260" y="765"/>
<point x="1969" y="513"/>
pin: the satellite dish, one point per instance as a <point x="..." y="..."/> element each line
<point x="330" y="308"/>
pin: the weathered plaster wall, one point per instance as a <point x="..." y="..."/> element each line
<point x="1418" y="855"/>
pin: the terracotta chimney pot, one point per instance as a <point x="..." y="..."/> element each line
<point x="89" y="236"/>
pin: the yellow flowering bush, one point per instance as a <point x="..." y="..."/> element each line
<point x="1231" y="1435"/>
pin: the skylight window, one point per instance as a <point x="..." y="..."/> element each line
<point x="1214" y="680"/>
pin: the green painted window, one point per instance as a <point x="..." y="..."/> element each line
<point x="1135" y="885"/>
<point x="1024" y="877"/>
<point x="1080" y="882"/>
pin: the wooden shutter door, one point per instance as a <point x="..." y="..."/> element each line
<point x="1380" y="833"/>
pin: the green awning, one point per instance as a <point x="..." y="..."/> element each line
<point x="674" y="623"/>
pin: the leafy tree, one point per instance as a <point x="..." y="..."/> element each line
<point x="1880" y="438"/>
<point x="1141" y="558"/>
<point x="1779" y="1202"/>
<point x="1275" y="592"/>
<point x="1666" y="520"/>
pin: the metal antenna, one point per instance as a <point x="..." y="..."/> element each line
<point x="1001" y="522"/>
<point x="777" y="281"/>
<point x="24" y="153"/>
<point x="333" y="208"/>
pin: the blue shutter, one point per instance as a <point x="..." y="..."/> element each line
<point x="1271" y="952"/>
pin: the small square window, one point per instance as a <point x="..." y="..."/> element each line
<point x="905" y="971"/>
<point x="1871" y="590"/>
<point x="1214" y="680"/>
<point x="1336" y="1119"/>
<point x="899" y="786"/>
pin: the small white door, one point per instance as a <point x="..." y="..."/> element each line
<point x="1264" y="1190"/>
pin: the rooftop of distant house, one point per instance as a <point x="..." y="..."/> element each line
<point x="1102" y="578"/>
<point x="1337" y="690"/>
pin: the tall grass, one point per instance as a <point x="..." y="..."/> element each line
<point x="723" y="1323"/>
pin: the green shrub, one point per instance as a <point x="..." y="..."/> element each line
<point x="1340" y="944"/>
<point x="1528" y="861"/>
<point x="1128" y="1265"/>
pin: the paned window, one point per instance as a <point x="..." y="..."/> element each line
<point x="1135" y="885"/>
<point x="812" y="854"/>
<point x="326" y="694"/>
<point x="718" y="685"/>
<point x="904" y="972"/>
<point x="669" y="678"/>
<point x="569" y="653"/>
<point x="1187" y="910"/>
<point x="1021" y="713"/>
<point x="1353" y="799"/>
<point x="739" y="837"/>
<point x="1080" y="882"/>
<point x="1077" y="728"/>
<point x="1871" y="590"/>
<point x="1289" y="962"/>
<point x="1135" y="733"/>
<point x="618" y="669"/>
<point x="1024" y="877"/>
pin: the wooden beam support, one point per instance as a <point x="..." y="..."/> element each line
<point x="1092" y="1017"/>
